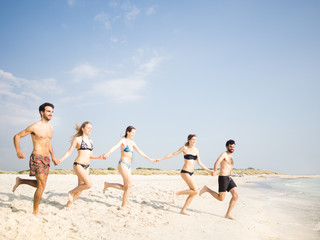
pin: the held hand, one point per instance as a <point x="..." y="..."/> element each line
<point x="105" y="156"/>
<point x="55" y="161"/>
<point x="215" y="173"/>
<point x="20" y="155"/>
<point x="152" y="160"/>
<point x="157" y="160"/>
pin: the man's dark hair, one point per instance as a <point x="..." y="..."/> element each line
<point x="44" y="105"/>
<point x="230" y="142"/>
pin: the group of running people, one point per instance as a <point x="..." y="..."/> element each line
<point x="41" y="134"/>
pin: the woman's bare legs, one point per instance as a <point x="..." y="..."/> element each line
<point x="84" y="182"/>
<point x="126" y="186"/>
<point x="191" y="192"/>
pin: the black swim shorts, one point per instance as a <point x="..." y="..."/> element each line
<point x="226" y="183"/>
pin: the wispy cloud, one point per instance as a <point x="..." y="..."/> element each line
<point x="10" y="78"/>
<point x="130" y="88"/>
<point x="6" y="90"/>
<point x="47" y="85"/>
<point x="73" y="98"/>
<point x="146" y="66"/>
<point x="114" y="39"/>
<point x="113" y="4"/>
<point x="16" y="114"/>
<point x="104" y="19"/>
<point x="18" y="95"/>
<point x="71" y="2"/>
<point x="14" y="86"/>
<point x="121" y="90"/>
<point x="132" y="13"/>
<point x="84" y="71"/>
<point x="150" y="10"/>
<point x="126" y="12"/>
<point x="151" y="65"/>
<point x="137" y="58"/>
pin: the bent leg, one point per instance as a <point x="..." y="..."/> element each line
<point x="219" y="196"/>
<point x="189" y="181"/>
<point x="84" y="182"/>
<point x="41" y="184"/>
<point x="191" y="192"/>
<point x="19" y="181"/>
<point x="233" y="201"/>
<point x="112" y="185"/>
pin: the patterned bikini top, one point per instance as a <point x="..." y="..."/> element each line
<point x="84" y="146"/>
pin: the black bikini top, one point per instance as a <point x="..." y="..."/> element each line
<point x="84" y="146"/>
<point x="190" y="157"/>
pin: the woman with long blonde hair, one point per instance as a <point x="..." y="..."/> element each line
<point x="191" y="155"/>
<point x="81" y="164"/>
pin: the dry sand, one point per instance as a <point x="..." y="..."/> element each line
<point x="150" y="213"/>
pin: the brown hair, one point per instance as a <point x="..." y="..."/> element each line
<point x="190" y="136"/>
<point x="43" y="106"/>
<point x="128" y="129"/>
<point x="230" y="142"/>
<point x="79" y="129"/>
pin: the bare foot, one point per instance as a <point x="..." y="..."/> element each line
<point x="105" y="187"/>
<point x="203" y="190"/>
<point x="184" y="213"/>
<point x="174" y="196"/>
<point x="70" y="198"/>
<point x="37" y="213"/>
<point x="16" y="185"/>
<point x="121" y="208"/>
<point x="229" y="217"/>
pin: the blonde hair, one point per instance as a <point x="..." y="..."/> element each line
<point x="79" y="129"/>
<point x="189" y="138"/>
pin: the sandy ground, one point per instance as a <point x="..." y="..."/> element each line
<point x="150" y="213"/>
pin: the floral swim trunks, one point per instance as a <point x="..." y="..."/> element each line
<point x="39" y="164"/>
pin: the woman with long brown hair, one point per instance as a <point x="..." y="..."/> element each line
<point x="81" y="164"/>
<point x="127" y="145"/>
<point x="191" y="155"/>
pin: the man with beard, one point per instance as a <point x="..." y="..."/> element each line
<point x="41" y="134"/>
<point x="225" y="181"/>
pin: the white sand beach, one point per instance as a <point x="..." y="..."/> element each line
<point x="150" y="213"/>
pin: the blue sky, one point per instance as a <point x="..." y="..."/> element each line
<point x="246" y="70"/>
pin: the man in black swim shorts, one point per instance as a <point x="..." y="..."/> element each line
<point x="225" y="180"/>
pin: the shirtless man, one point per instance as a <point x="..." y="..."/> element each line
<point x="225" y="181"/>
<point x="41" y="134"/>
